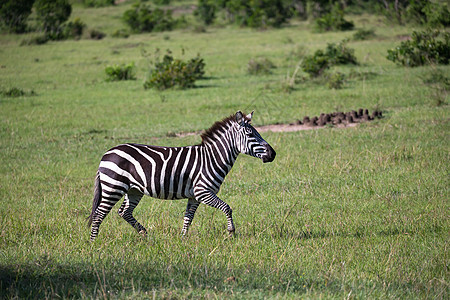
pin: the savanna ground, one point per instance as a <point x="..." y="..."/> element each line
<point x="361" y="212"/>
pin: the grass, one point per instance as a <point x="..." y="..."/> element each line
<point x="341" y="213"/>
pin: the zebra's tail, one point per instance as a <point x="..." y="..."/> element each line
<point x="97" y="198"/>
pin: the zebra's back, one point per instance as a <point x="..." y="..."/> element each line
<point x="160" y="172"/>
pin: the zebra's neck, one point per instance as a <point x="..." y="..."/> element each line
<point x="220" y="146"/>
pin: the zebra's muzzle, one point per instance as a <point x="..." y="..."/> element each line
<point x="270" y="154"/>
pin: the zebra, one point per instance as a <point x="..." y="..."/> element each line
<point x="193" y="172"/>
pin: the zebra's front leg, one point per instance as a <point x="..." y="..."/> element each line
<point x="211" y="199"/>
<point x="189" y="215"/>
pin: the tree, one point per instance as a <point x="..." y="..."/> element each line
<point x="14" y="14"/>
<point x="206" y="11"/>
<point x="51" y="14"/>
<point x="258" y="13"/>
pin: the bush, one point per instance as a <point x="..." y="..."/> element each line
<point x="141" y="18"/>
<point x="259" y="66"/>
<point x="333" y="21"/>
<point x="98" y="3"/>
<point x="427" y="47"/>
<point x="73" y="29"/>
<point x="120" y="72"/>
<point x="36" y="40"/>
<point x="199" y="29"/>
<point x="257" y="14"/>
<point x="428" y="13"/>
<point x="16" y="92"/>
<point x="434" y="14"/>
<point x="206" y="11"/>
<point x="14" y="14"/>
<point x="96" y="34"/>
<point x="315" y="64"/>
<point x="334" y="54"/>
<point x="340" y="54"/>
<point x="363" y="34"/>
<point x="161" y="2"/>
<point x="51" y="14"/>
<point x="335" y="80"/>
<point x="172" y="72"/>
<point x="121" y="33"/>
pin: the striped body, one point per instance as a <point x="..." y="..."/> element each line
<point x="193" y="172"/>
<point x="138" y="166"/>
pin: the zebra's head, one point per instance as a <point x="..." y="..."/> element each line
<point x="250" y="142"/>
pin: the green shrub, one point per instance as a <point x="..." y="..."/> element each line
<point x="340" y="54"/>
<point x="335" y="80"/>
<point x="206" y="11"/>
<point x="437" y="15"/>
<point x="199" y="29"/>
<point x="434" y="14"/>
<point x="426" y="12"/>
<point x="172" y="72"/>
<point x="333" y="21"/>
<point x="15" y="92"/>
<point x="141" y="18"/>
<point x="334" y="54"/>
<point x="98" y="3"/>
<point x="51" y="14"/>
<point x="73" y="29"/>
<point x="121" y="33"/>
<point x="14" y="14"/>
<point x="120" y="72"/>
<point x="363" y="34"/>
<point x="259" y="66"/>
<point x="96" y="34"/>
<point x="36" y="40"/>
<point x="257" y="14"/>
<point x="315" y="65"/>
<point x="161" y="2"/>
<point x="427" y="47"/>
<point x="180" y="22"/>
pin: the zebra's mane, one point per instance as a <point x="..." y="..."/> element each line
<point x="218" y="128"/>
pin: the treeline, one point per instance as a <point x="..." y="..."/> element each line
<point x="51" y="19"/>
<point x="328" y="14"/>
<point x="156" y="15"/>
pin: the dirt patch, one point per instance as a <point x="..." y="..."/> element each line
<point x="403" y="37"/>
<point x="335" y="120"/>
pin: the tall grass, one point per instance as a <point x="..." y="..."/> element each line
<point x="341" y="213"/>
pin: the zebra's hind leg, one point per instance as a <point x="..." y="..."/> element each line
<point x="189" y="215"/>
<point x="132" y="199"/>
<point x="101" y="212"/>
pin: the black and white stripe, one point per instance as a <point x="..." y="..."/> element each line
<point x="193" y="172"/>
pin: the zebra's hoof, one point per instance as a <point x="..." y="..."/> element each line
<point x="143" y="233"/>
<point x="231" y="232"/>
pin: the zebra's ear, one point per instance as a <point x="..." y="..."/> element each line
<point x="250" y="116"/>
<point x="240" y="118"/>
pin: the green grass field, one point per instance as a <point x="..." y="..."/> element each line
<point x="351" y="213"/>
